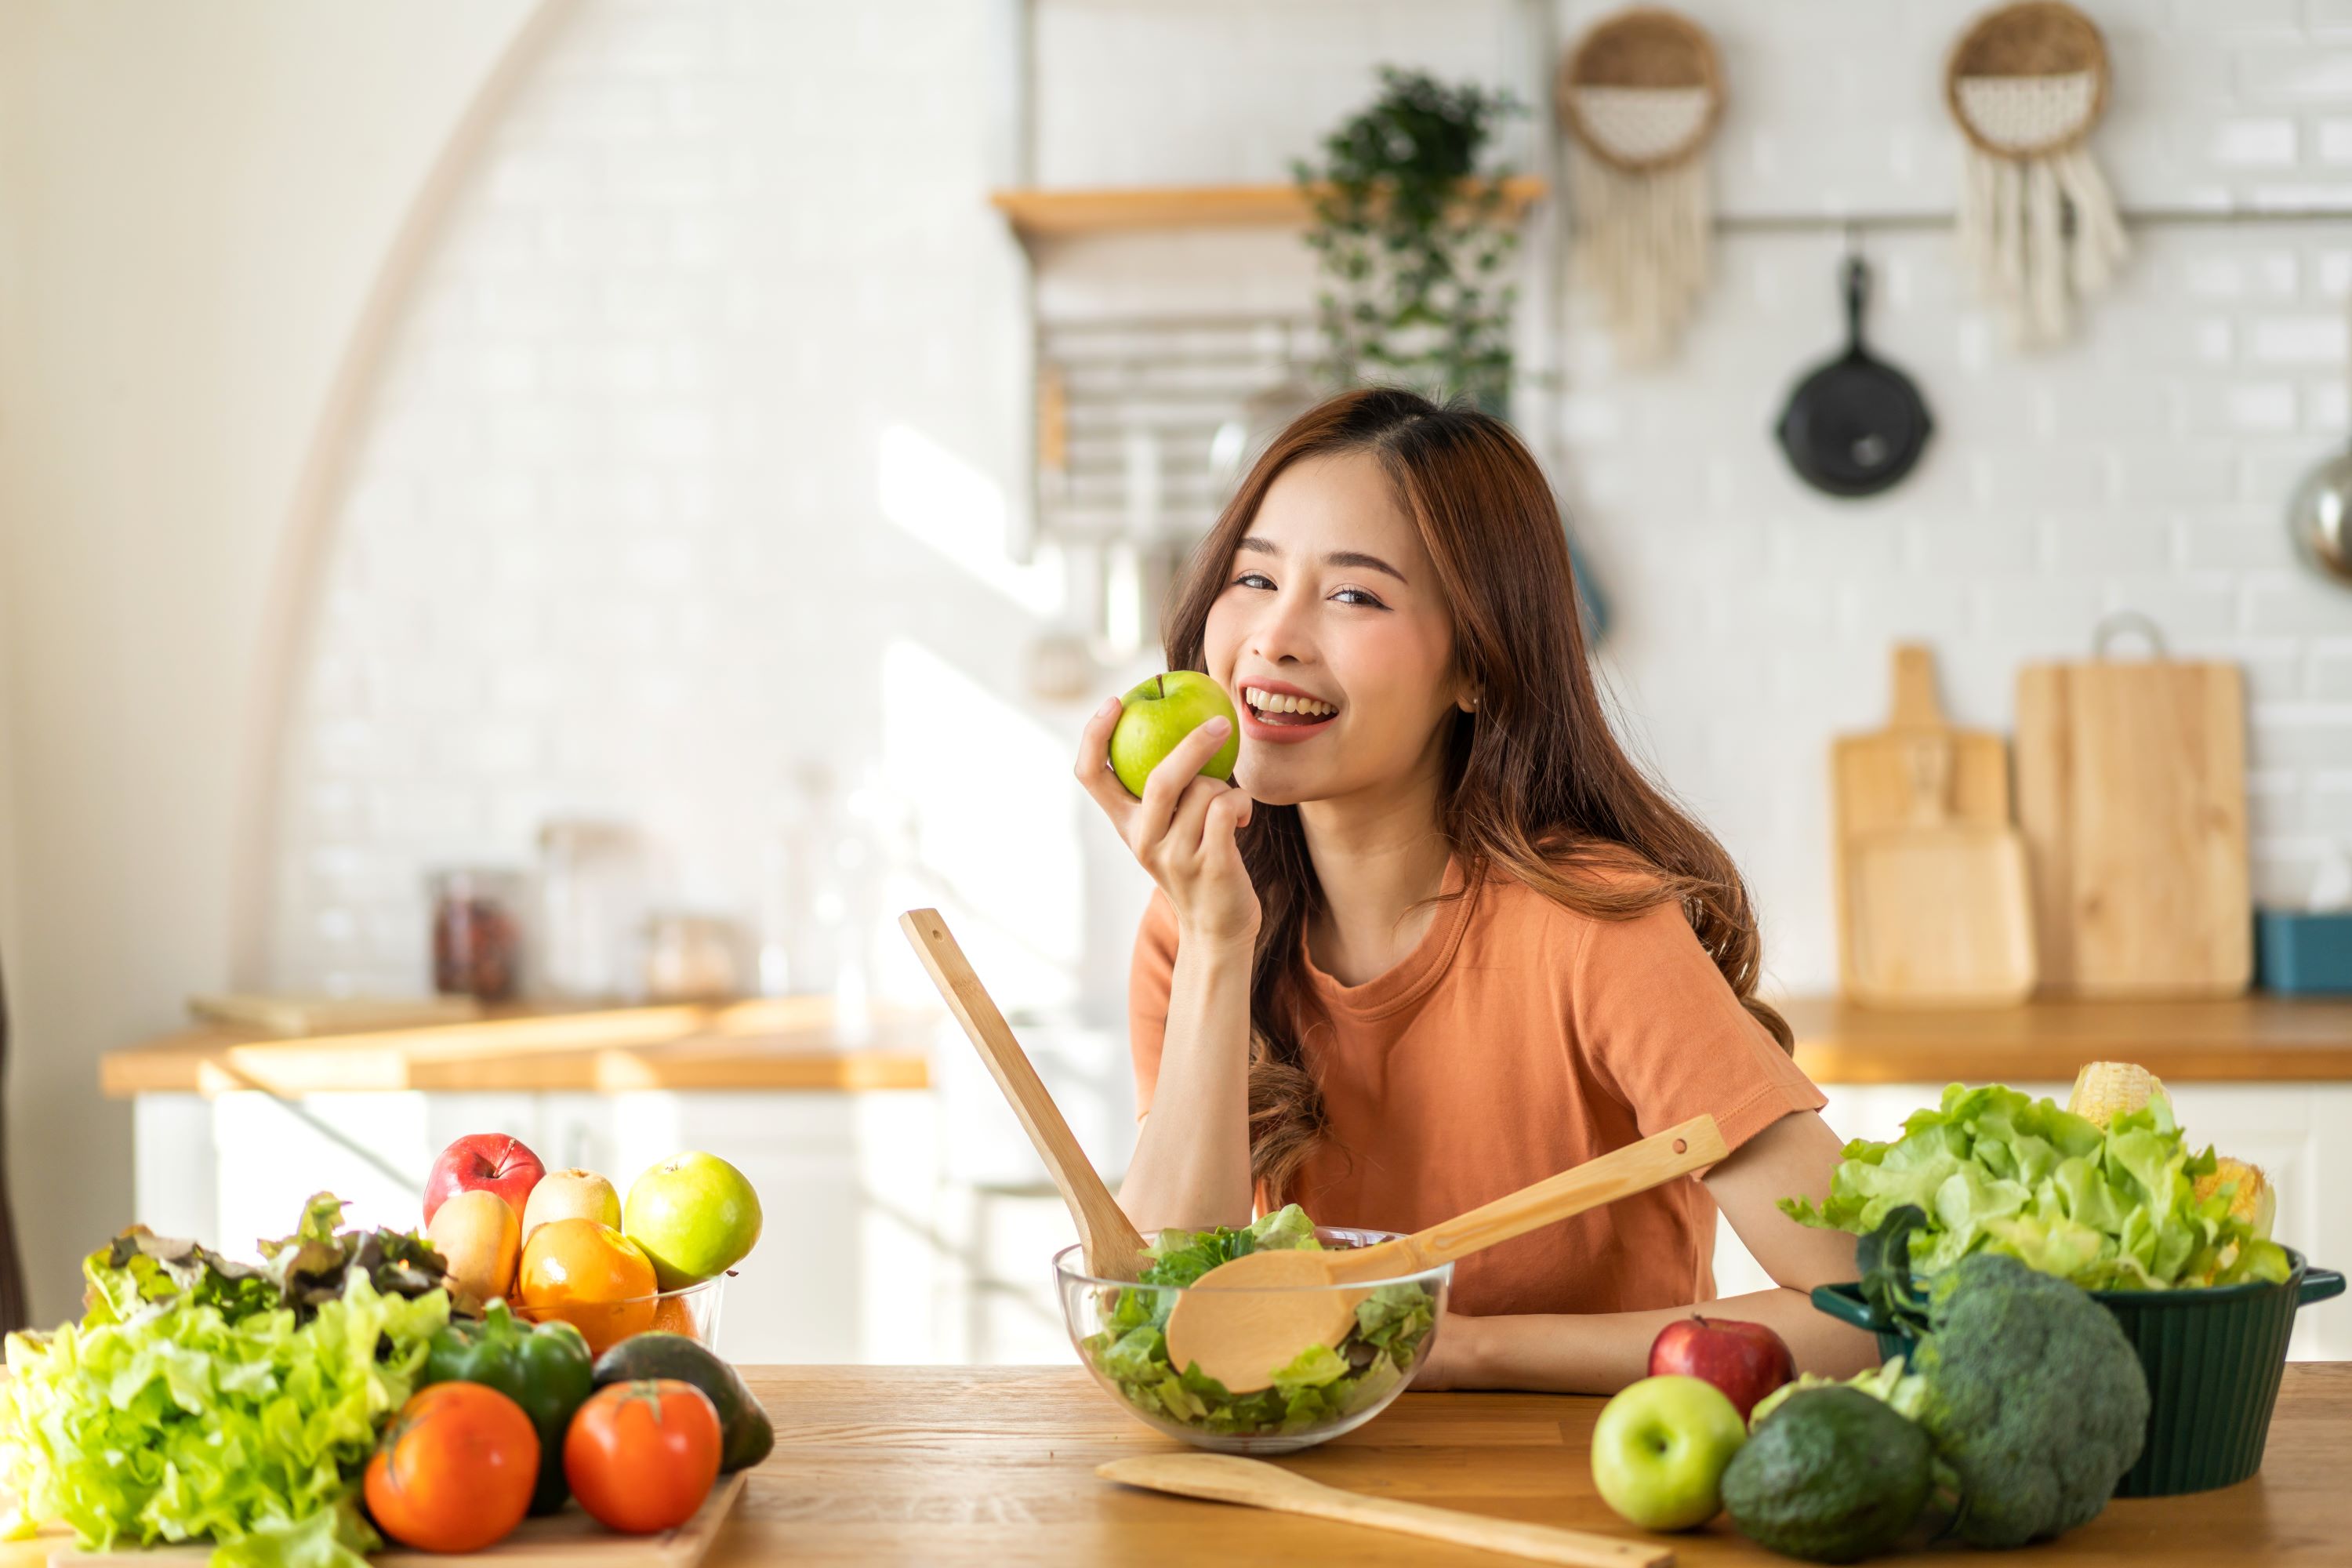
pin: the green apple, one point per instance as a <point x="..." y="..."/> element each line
<point x="696" y="1216"/>
<point x="1660" y="1449"/>
<point x="1159" y="714"/>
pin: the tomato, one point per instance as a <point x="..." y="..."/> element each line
<point x="456" y="1470"/>
<point x="641" y="1455"/>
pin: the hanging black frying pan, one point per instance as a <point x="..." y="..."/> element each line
<point x="1855" y="426"/>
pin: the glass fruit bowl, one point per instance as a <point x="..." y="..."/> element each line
<point x="692" y="1310"/>
<point x="1119" y="1326"/>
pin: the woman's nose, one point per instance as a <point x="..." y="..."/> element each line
<point x="1281" y="635"/>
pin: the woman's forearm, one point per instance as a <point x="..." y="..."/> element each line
<point x="1192" y="1164"/>
<point x="1602" y="1353"/>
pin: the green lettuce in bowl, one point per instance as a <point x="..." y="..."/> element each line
<point x="1119" y="1329"/>
<point x="1994" y="1170"/>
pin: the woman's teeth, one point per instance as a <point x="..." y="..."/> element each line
<point x="1264" y="702"/>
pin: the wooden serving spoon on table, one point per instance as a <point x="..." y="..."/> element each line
<point x="1228" y="1478"/>
<point x="1245" y="1320"/>
<point x="1113" y="1247"/>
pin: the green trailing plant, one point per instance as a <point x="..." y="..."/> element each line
<point x="1413" y="237"/>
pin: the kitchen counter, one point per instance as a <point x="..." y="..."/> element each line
<point x="798" y="1043"/>
<point x="232" y="1128"/>
<point x="2255" y="1038"/>
<point x="947" y="1465"/>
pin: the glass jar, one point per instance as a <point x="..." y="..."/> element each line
<point x="477" y="935"/>
<point x="592" y="902"/>
<point x="691" y="958"/>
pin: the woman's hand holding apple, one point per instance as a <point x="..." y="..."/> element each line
<point x="1183" y="829"/>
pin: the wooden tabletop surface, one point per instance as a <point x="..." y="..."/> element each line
<point x="993" y="1468"/>
<point x="946" y="1466"/>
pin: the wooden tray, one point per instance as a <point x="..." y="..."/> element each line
<point x="567" y="1537"/>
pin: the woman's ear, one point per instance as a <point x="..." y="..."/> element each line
<point x="1468" y="699"/>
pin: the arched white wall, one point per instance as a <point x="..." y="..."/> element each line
<point x="691" y="462"/>
<point x="196" y="202"/>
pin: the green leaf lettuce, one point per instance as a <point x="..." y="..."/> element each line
<point x="185" y="1423"/>
<point x="1321" y="1386"/>
<point x="1996" y="1171"/>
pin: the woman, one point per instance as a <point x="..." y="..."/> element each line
<point x="1440" y="939"/>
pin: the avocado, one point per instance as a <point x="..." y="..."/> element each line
<point x="745" y="1435"/>
<point x="1832" y="1475"/>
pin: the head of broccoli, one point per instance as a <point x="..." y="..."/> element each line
<point x="2032" y="1395"/>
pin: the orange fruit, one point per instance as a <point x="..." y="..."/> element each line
<point x="673" y="1316"/>
<point x="591" y="1277"/>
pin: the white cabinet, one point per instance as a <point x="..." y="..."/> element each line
<point x="850" y="1266"/>
<point x="2301" y="1133"/>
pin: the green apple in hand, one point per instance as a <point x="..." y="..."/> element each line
<point x="1159" y="714"/>
<point x="694" y="1214"/>
<point x="1660" y="1449"/>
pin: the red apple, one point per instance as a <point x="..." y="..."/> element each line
<point x="1746" y="1360"/>
<point x="483" y="1161"/>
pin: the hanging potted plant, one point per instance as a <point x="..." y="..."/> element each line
<point x="1413" y="239"/>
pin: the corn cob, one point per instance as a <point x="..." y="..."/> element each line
<point x="2105" y="1091"/>
<point x="2255" y="1201"/>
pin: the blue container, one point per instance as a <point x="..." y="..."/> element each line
<point x="2300" y="953"/>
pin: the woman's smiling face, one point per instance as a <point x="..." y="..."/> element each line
<point x="1332" y="637"/>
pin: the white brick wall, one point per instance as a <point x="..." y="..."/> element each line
<point x="693" y="458"/>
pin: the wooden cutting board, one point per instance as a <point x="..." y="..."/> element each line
<point x="1940" y="909"/>
<point x="1923" y="798"/>
<point x="567" y="1537"/>
<point x="297" y="1016"/>
<point x="2131" y="791"/>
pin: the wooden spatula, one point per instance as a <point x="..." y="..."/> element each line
<point x="1228" y="1478"/>
<point x="1114" y="1249"/>
<point x="1245" y="1320"/>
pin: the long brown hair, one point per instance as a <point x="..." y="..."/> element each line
<point x="1535" y="783"/>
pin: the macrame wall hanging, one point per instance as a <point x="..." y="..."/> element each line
<point x="1640" y="96"/>
<point x="2038" y="225"/>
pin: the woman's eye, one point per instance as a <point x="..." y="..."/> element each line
<point x="1253" y="580"/>
<point x="1359" y="596"/>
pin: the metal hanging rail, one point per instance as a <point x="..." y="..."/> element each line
<point x="2136" y="218"/>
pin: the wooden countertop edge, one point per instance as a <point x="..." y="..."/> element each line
<point x="2245" y="1039"/>
<point x="797" y="1043"/>
<point x="790" y="1044"/>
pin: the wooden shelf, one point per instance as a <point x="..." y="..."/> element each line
<point x="1066" y="214"/>
<point x="2257" y="1038"/>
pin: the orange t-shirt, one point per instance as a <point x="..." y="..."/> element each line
<point x="1517" y="1039"/>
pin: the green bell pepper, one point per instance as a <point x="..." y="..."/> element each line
<point x="545" y="1368"/>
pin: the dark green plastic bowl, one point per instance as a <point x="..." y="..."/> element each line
<point x="2214" y="1359"/>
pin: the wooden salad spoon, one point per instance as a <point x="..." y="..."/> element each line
<point x="1228" y="1478"/>
<point x="1113" y="1247"/>
<point x="1243" y="1320"/>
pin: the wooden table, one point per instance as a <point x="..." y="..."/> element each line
<point x="950" y="1465"/>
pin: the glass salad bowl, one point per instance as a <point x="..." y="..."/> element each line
<point x="692" y="1310"/>
<point x="1117" y="1329"/>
